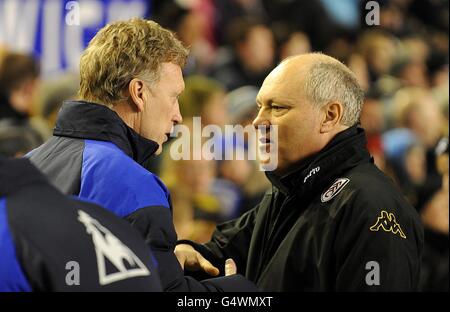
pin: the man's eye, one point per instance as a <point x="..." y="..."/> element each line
<point x="276" y="107"/>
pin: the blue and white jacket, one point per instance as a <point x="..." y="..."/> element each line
<point x="93" y="154"/>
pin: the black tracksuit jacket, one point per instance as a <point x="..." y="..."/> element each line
<point x="336" y="223"/>
<point x="49" y="242"/>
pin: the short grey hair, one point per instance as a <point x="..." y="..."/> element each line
<point x="327" y="81"/>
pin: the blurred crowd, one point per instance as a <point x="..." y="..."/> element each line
<point x="402" y="64"/>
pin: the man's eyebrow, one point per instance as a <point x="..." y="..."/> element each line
<point x="260" y="103"/>
<point x="284" y="101"/>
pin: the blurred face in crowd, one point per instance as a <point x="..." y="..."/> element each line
<point x="215" y="110"/>
<point x="415" y="74"/>
<point x="415" y="164"/>
<point x="158" y="104"/>
<point x="426" y="120"/>
<point x="372" y="119"/>
<point x="23" y="97"/>
<point x="281" y="102"/>
<point x="298" y="43"/>
<point x="257" y="52"/>
<point x="197" y="175"/>
<point x="381" y="54"/>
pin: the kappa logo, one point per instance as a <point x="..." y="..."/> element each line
<point x="108" y="247"/>
<point x="337" y="186"/>
<point x="387" y="222"/>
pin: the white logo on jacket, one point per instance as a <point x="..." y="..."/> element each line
<point x="110" y="247"/>
<point x="334" y="189"/>
<point x="313" y="171"/>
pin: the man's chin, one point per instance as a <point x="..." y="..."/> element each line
<point x="268" y="163"/>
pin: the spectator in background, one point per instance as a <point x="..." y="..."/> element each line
<point x="245" y="173"/>
<point x="54" y="93"/>
<point x="378" y="49"/>
<point x="192" y="21"/>
<point x="251" y="57"/>
<point x="200" y="198"/>
<point x="416" y="109"/>
<point x="227" y="11"/>
<point x="418" y="125"/>
<point x="16" y="140"/>
<point x="435" y="217"/>
<point x="296" y="43"/>
<point x="289" y="41"/>
<point x="204" y="97"/>
<point x="359" y="66"/>
<point x="305" y="16"/>
<point x="19" y="79"/>
<point x="372" y="120"/>
<point x="196" y="209"/>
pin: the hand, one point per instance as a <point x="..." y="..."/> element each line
<point x="191" y="259"/>
<point x="230" y="267"/>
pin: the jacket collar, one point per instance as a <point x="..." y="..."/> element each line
<point x="17" y="173"/>
<point x="85" y="120"/>
<point x="346" y="150"/>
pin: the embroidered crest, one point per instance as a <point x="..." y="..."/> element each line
<point x="337" y="186"/>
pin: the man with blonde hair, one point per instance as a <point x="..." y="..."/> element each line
<point x="131" y="78"/>
<point x="332" y="221"/>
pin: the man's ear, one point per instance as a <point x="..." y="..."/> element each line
<point x="136" y="89"/>
<point x="332" y="115"/>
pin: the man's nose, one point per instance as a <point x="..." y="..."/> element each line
<point x="261" y="119"/>
<point x="177" y="118"/>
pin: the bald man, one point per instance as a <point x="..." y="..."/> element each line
<point x="332" y="221"/>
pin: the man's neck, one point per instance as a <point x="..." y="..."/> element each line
<point x="127" y="114"/>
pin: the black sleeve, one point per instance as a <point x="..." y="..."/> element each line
<point x="155" y="224"/>
<point x="230" y="240"/>
<point x="378" y="246"/>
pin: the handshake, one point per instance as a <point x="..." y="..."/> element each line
<point x="190" y="259"/>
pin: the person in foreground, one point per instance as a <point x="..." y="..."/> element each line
<point x="130" y="81"/>
<point x="49" y="242"/>
<point x="332" y="220"/>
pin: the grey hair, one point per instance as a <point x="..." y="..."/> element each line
<point x="327" y="81"/>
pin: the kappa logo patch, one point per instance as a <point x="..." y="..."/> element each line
<point x="387" y="222"/>
<point x="337" y="186"/>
